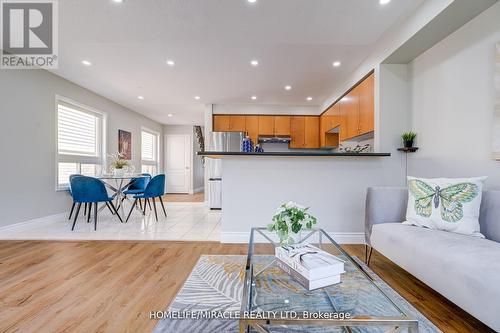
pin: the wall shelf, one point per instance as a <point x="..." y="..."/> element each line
<point x="408" y="149"/>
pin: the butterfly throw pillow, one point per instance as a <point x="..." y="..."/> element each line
<point x="445" y="204"/>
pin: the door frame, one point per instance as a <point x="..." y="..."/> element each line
<point x="165" y="145"/>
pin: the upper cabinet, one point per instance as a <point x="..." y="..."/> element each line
<point x="281" y="125"/>
<point x="304" y="131"/>
<point x="266" y="125"/>
<point x="351" y="105"/>
<point x="298" y="131"/>
<point x="356" y="110"/>
<point x="311" y="132"/>
<point x="237" y="124"/>
<point x="349" y="119"/>
<point x="366" y="105"/>
<point x="221" y="123"/>
<point x="329" y="120"/>
<point x="252" y="127"/>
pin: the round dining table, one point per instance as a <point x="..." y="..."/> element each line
<point x="119" y="184"/>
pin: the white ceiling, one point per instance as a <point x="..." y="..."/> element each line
<point x="212" y="43"/>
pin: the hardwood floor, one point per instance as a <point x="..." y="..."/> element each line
<point x="100" y="286"/>
<point x="197" y="197"/>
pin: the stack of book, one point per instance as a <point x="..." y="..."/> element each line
<point x="310" y="266"/>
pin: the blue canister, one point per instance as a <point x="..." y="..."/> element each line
<point x="246" y="145"/>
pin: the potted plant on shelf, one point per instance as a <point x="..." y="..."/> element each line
<point x="119" y="164"/>
<point x="289" y="220"/>
<point x="408" y="138"/>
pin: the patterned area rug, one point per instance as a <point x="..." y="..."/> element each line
<point x="216" y="284"/>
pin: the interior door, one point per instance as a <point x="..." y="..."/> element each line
<point x="178" y="163"/>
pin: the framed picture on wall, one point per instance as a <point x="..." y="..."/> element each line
<point x="496" y="112"/>
<point x="125" y="144"/>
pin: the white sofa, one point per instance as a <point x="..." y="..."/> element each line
<point x="464" y="269"/>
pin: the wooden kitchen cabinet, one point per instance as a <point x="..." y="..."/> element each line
<point x="366" y="105"/>
<point x="266" y="125"/>
<point x="252" y="128"/>
<point x="281" y="125"/>
<point x="322" y="130"/>
<point x="352" y="109"/>
<point x="349" y="115"/>
<point x="304" y="131"/>
<point x="297" y="131"/>
<point x="335" y="115"/>
<point x="220" y="123"/>
<point x="237" y="124"/>
<point x="311" y="125"/>
<point x="327" y="122"/>
<point x="343" y="118"/>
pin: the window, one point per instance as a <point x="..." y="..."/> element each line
<point x="149" y="151"/>
<point x="80" y="133"/>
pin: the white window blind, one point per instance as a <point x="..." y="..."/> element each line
<point x="77" y="132"/>
<point x="149" y="151"/>
<point x="148" y="146"/>
<point x="80" y="134"/>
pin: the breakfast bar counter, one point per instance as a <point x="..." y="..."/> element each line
<point x="219" y="154"/>
<point x="332" y="184"/>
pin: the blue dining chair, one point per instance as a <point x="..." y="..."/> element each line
<point x="154" y="189"/>
<point x="86" y="209"/>
<point x="89" y="190"/>
<point x="137" y="186"/>
<point x="71" y="193"/>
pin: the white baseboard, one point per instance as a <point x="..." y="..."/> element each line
<point x="339" y="237"/>
<point x="37" y="221"/>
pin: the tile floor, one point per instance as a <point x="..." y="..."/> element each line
<point x="184" y="221"/>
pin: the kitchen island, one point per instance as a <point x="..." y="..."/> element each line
<point x="332" y="184"/>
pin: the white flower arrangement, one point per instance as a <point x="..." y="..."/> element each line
<point x="292" y="217"/>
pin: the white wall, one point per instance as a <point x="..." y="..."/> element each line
<point x="198" y="173"/>
<point x="452" y="102"/>
<point x="27" y="140"/>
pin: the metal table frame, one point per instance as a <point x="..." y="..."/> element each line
<point x="119" y="188"/>
<point x="394" y="324"/>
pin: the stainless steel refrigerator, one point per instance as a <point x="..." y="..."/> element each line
<point x="223" y="142"/>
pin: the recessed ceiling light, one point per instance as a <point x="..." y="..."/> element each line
<point x="254" y="97"/>
<point x="288" y="87"/>
<point x="336" y="64"/>
<point x="170" y="115"/>
<point x="254" y="63"/>
<point x="252" y="1"/>
<point x="170" y="62"/>
<point x="86" y="63"/>
<point x="384" y="2"/>
<point x="197" y="97"/>
<point x="140" y="97"/>
<point x="118" y="1"/>
<point x="309" y="98"/>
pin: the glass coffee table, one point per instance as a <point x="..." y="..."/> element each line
<point x="274" y="302"/>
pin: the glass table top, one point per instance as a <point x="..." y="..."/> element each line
<point x="268" y="288"/>
<point x="124" y="176"/>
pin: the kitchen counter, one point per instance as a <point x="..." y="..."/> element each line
<point x="220" y="154"/>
